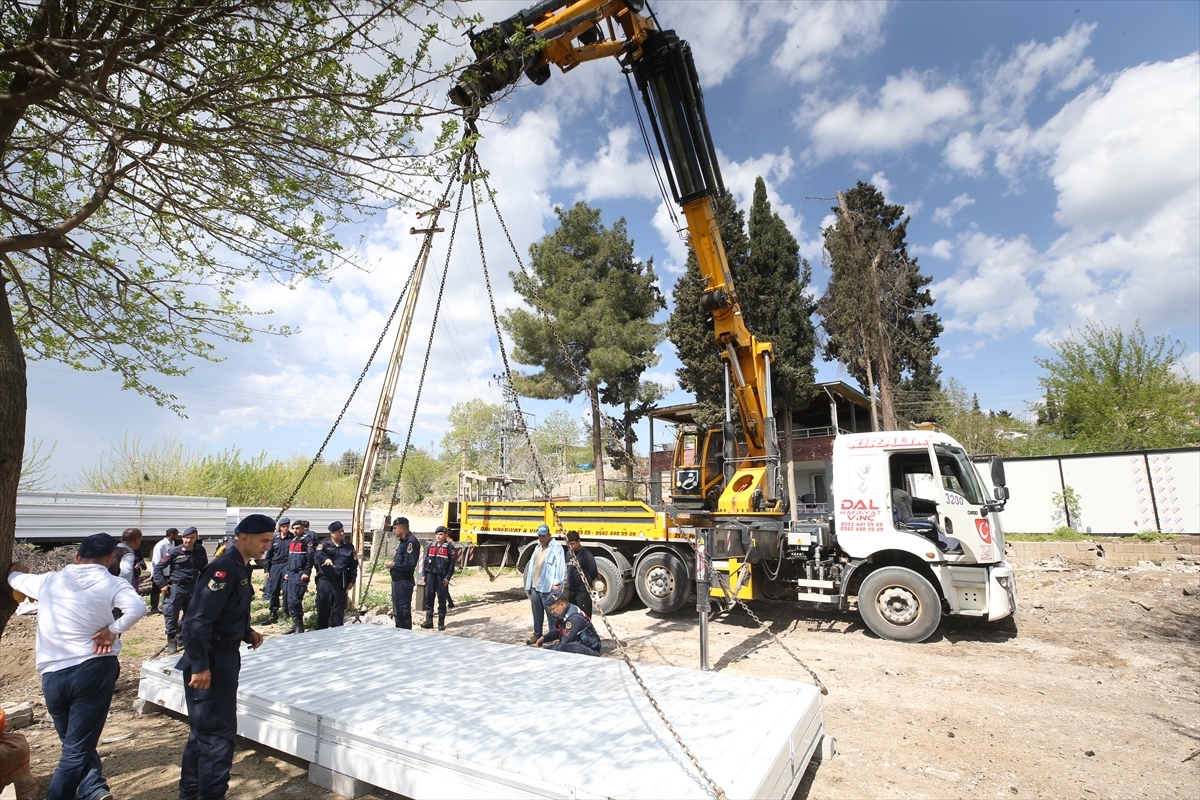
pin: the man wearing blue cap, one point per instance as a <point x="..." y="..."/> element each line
<point x="337" y="569"/>
<point x="76" y="655"/>
<point x="297" y="574"/>
<point x="216" y="625"/>
<point x="276" y="563"/>
<point x="402" y="566"/>
<point x="545" y="572"/>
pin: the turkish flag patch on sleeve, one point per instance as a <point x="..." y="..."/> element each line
<point x="218" y="574"/>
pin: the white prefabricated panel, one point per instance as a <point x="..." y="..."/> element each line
<point x="1113" y="493"/>
<point x="318" y="518"/>
<point x="1031" y="485"/>
<point x="435" y="716"/>
<point x="71" y="516"/>
<point x="1175" y="478"/>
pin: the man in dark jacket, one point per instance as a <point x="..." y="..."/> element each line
<point x="276" y="562"/>
<point x="337" y="570"/>
<point x="297" y="575"/>
<point x="579" y="587"/>
<point x="573" y="631"/>
<point x="177" y="573"/>
<point x="214" y="629"/>
<point x="438" y="569"/>
<point x="402" y="565"/>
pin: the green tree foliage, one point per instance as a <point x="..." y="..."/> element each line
<point x="875" y="310"/>
<point x="156" y="155"/>
<point x="474" y="424"/>
<point x="1110" y="390"/>
<point x="958" y="414"/>
<point x="35" y="470"/>
<point x="598" y="300"/>
<point x="691" y="330"/>
<point x="773" y="288"/>
<point x="422" y="473"/>
<point x="172" y="468"/>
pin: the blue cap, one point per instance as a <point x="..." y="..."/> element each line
<point x="399" y="521"/>
<point x="284" y="521"/>
<point x="441" y="529"/>
<point x="255" y="523"/>
<point x="554" y="595"/>
<point x="190" y="530"/>
<point x="543" y="530"/>
<point x="98" y="545"/>
<point x="335" y="526"/>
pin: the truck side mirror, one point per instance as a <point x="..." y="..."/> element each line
<point x="1002" y="493"/>
<point x="998" y="472"/>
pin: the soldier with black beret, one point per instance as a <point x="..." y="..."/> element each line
<point x="402" y="566"/>
<point x="337" y="569"/>
<point x="297" y="574"/>
<point x="216" y="625"/>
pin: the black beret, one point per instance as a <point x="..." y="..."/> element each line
<point x="256" y="523"/>
<point x="284" y="521"/>
<point x="190" y="530"/>
<point x="399" y="521"/>
<point x="440" y="529"/>
<point x="98" y="545"/>
<point x="335" y="526"/>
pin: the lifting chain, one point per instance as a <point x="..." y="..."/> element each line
<point x="378" y="547"/>
<point x="362" y="375"/>
<point x="767" y="629"/>
<point x="713" y="786"/>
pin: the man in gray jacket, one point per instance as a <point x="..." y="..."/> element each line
<point x="76" y="655"/>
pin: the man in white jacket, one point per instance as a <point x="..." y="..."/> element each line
<point x="76" y="654"/>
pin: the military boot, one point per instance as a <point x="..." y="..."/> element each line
<point x="300" y="624"/>
<point x="442" y="621"/>
<point x="428" y="623"/>
<point x="172" y="646"/>
<point x="291" y="629"/>
<point x="274" y="618"/>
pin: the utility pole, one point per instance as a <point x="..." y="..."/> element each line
<point x="387" y="394"/>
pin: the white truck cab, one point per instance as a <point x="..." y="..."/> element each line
<point x="911" y="531"/>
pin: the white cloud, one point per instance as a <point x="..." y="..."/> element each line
<point x="963" y="152"/>
<point x="990" y="295"/>
<point x="945" y="214"/>
<point x="617" y="169"/>
<point x="942" y="248"/>
<point x="905" y="112"/>
<point x="880" y="182"/>
<point x="1189" y="366"/>
<point x="725" y="35"/>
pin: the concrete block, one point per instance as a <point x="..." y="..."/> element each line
<point x="337" y="782"/>
<point x="826" y="750"/>
<point x="143" y="707"/>
<point x="19" y="715"/>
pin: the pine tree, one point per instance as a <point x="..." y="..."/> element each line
<point x="773" y="289"/>
<point x="691" y="330"/>
<point x="600" y="302"/>
<point x="875" y="308"/>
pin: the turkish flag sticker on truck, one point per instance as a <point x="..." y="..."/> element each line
<point x="984" y="529"/>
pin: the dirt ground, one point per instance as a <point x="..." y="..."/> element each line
<point x="1092" y="692"/>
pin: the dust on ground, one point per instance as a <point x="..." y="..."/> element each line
<point x="1092" y="692"/>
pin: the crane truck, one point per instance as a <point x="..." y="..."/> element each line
<point x="910" y="531"/>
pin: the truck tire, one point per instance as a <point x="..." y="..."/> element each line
<point x="898" y="604"/>
<point x="609" y="587"/>
<point x="662" y="582"/>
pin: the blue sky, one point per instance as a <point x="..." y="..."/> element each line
<point x="1049" y="154"/>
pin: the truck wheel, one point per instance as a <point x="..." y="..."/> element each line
<point x="611" y="593"/>
<point x="662" y="582"/>
<point x="898" y="604"/>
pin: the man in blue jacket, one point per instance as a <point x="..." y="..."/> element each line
<point x="337" y="570"/>
<point x="276" y="562"/>
<point x="402" y="566"/>
<point x="439" y="569"/>
<point x="297" y="575"/>
<point x="177" y="573"/>
<point x="545" y="572"/>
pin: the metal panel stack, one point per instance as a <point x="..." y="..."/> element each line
<point x="432" y="716"/>
<point x="64" y="517"/>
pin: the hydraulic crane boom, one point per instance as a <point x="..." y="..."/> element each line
<point x="566" y="34"/>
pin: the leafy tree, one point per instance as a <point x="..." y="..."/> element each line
<point x="875" y="308"/>
<point x="778" y="308"/>
<point x="1109" y="390"/>
<point x="958" y="414"/>
<point x="36" y="466"/>
<point x="637" y="398"/>
<point x="691" y="330"/>
<point x="598" y="300"/>
<point x="421" y="474"/>
<point x="157" y="155"/>
<point x="475" y="430"/>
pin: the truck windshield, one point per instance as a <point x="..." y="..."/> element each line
<point x="958" y="474"/>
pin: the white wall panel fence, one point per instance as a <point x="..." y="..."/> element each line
<point x="71" y="516"/>
<point x="1119" y="493"/>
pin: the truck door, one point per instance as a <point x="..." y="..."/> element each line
<point x="962" y="506"/>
